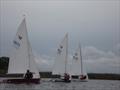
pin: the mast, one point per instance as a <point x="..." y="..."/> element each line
<point x="27" y="43"/>
<point x="81" y="59"/>
<point x="66" y="57"/>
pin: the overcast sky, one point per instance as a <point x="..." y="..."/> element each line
<point x="93" y="23"/>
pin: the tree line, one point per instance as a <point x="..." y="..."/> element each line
<point x="4" y="61"/>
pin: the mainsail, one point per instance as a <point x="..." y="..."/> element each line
<point x="60" y="65"/>
<point x="77" y="63"/>
<point x="22" y="57"/>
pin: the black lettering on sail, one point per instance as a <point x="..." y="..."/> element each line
<point x="75" y="56"/>
<point x="17" y="44"/>
<point x="20" y="37"/>
<point x="60" y="49"/>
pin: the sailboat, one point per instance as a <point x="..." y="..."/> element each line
<point x="22" y="58"/>
<point x="60" y="65"/>
<point x="77" y="69"/>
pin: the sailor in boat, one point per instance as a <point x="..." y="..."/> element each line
<point x="83" y="77"/>
<point x="28" y="75"/>
<point x="66" y="77"/>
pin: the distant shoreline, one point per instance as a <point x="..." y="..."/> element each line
<point x="98" y="76"/>
<point x="101" y="76"/>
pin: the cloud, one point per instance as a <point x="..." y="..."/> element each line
<point x="94" y="53"/>
<point x="95" y="60"/>
<point x="100" y="61"/>
<point x="117" y="49"/>
<point x="44" y="62"/>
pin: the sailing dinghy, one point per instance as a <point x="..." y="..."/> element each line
<point x="60" y="65"/>
<point x="22" y="58"/>
<point x="77" y="69"/>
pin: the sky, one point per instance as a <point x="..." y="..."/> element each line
<point x="93" y="23"/>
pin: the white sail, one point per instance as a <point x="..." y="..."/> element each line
<point x="60" y="65"/>
<point x="22" y="57"/>
<point x="77" y="63"/>
<point x="32" y="64"/>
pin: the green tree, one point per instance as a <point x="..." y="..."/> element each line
<point x="4" y="64"/>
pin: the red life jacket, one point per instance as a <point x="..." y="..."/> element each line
<point x="82" y="77"/>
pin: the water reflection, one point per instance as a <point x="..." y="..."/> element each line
<point x="18" y="87"/>
<point x="47" y="85"/>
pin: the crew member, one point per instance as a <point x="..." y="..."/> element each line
<point x="28" y="75"/>
<point x="67" y="77"/>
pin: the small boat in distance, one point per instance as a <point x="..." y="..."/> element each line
<point x="77" y="69"/>
<point x="60" y="65"/>
<point x="22" y="59"/>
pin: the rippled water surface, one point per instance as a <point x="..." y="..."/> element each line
<point x="47" y="85"/>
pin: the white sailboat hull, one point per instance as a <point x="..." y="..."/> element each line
<point x="21" y="80"/>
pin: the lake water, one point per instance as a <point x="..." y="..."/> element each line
<point x="47" y="85"/>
